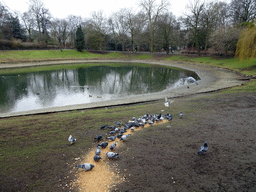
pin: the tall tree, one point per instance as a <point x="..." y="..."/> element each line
<point x="153" y="10"/>
<point x="243" y="11"/>
<point x="193" y="21"/>
<point x="80" y="41"/>
<point x="28" y="22"/>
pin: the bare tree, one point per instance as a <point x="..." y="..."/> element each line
<point x="243" y="10"/>
<point x="193" y="20"/>
<point x="73" y="23"/>
<point x="28" y="22"/>
<point x="153" y="10"/>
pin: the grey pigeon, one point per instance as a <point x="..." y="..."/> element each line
<point x="112" y="138"/>
<point x="97" y="158"/>
<point x="103" y="126"/>
<point x="71" y="139"/>
<point x="98" y="151"/>
<point x="98" y="137"/>
<point x="118" y="123"/>
<point x="103" y="145"/>
<point x="203" y="149"/>
<point x="112" y="147"/>
<point x="124" y="137"/>
<point x="85" y="166"/>
<point x="112" y="155"/>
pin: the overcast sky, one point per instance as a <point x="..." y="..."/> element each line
<point x="84" y="8"/>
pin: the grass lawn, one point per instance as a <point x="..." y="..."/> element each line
<point x="36" y="156"/>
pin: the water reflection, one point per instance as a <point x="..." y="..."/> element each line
<point x="38" y="90"/>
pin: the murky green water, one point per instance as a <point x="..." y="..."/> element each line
<point x="61" y="87"/>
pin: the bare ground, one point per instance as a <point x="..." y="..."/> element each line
<point x="163" y="157"/>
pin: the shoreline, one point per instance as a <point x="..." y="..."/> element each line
<point x="212" y="79"/>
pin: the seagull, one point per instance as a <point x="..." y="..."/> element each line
<point x="98" y="137"/>
<point x="203" y="149"/>
<point x="97" y="158"/>
<point x="85" y="166"/>
<point x="191" y="80"/>
<point x="71" y="139"/>
<point x="124" y="137"/>
<point x="103" y="145"/>
<point x="112" y="155"/>
<point x="167" y="102"/>
<point x="112" y="147"/>
<point x="181" y="115"/>
<point x="98" y="151"/>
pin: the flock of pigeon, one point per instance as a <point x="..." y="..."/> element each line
<point x="118" y="130"/>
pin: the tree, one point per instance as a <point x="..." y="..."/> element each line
<point x="28" y="22"/>
<point x="193" y="21"/>
<point x="153" y="10"/>
<point x="224" y="40"/>
<point x="80" y="42"/>
<point x="246" y="46"/>
<point x="243" y="11"/>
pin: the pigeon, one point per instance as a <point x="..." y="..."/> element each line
<point x="103" y="145"/>
<point x="98" y="137"/>
<point x="112" y="147"/>
<point x="98" y="151"/>
<point x="191" y="80"/>
<point x="97" y="158"/>
<point x="112" y="138"/>
<point x="85" y="166"/>
<point x="112" y="127"/>
<point x="112" y="155"/>
<point x="118" y="123"/>
<point x="112" y="133"/>
<point x="181" y="115"/>
<point x="167" y="102"/>
<point x="168" y="116"/>
<point x="124" y="137"/>
<point x="103" y="126"/>
<point x="132" y="128"/>
<point x="71" y="139"/>
<point x="119" y="135"/>
<point x="203" y="149"/>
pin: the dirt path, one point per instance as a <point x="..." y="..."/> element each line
<point x="102" y="176"/>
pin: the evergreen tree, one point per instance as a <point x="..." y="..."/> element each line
<point x="80" y="42"/>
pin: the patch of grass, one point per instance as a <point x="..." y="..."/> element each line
<point x="248" y="87"/>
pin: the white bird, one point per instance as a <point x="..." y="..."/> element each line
<point x="85" y="166"/>
<point x="112" y="147"/>
<point x="124" y="137"/>
<point x="97" y="151"/>
<point x="71" y="139"/>
<point x="181" y="115"/>
<point x="191" y="80"/>
<point x="167" y="102"/>
<point x="203" y="149"/>
<point x="112" y="155"/>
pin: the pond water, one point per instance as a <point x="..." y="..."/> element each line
<point x="24" y="91"/>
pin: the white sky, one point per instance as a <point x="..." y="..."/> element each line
<point x="84" y="8"/>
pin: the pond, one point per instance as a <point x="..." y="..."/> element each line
<point x="54" y="86"/>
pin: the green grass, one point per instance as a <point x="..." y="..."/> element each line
<point x="247" y="67"/>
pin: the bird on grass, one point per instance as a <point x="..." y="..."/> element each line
<point x="203" y="149"/>
<point x="98" y="151"/>
<point x="71" y="139"/>
<point x="103" y="126"/>
<point x="98" y="137"/>
<point x="167" y="102"/>
<point x="85" y="166"/>
<point x="112" y="138"/>
<point x="124" y="137"/>
<point x="103" y="145"/>
<point x="112" y="147"/>
<point x="112" y="155"/>
<point x="97" y="158"/>
<point x="181" y="115"/>
<point x="118" y="123"/>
